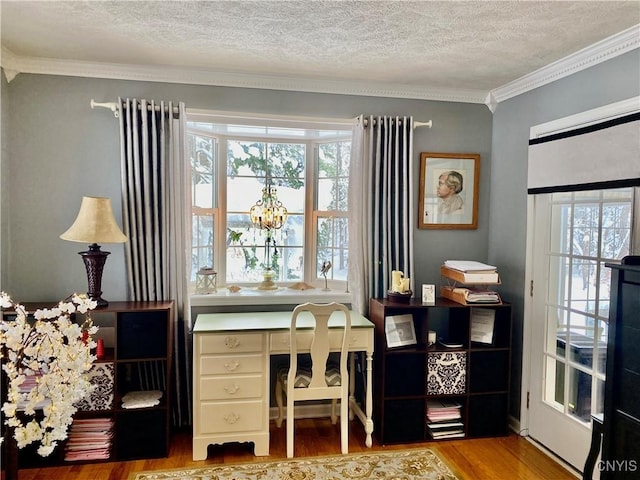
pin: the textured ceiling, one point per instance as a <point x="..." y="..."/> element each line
<point x="446" y="45"/>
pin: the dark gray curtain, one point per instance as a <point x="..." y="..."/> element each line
<point x="155" y="182"/>
<point x="381" y="213"/>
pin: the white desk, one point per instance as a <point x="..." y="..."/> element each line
<point x="231" y="373"/>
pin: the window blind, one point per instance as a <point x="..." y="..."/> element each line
<point x="586" y="155"/>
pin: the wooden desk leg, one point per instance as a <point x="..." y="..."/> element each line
<point x="368" y="428"/>
<point x="596" y="439"/>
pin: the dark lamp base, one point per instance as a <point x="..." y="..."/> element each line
<point x="94" y="260"/>
<point x="101" y="302"/>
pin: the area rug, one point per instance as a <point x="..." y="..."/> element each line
<point x="412" y="464"/>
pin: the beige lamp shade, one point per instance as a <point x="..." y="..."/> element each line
<point x="95" y="223"/>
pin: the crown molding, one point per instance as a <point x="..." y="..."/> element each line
<point x="599" y="52"/>
<point x="194" y="76"/>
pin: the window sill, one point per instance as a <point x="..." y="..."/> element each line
<point x="281" y="296"/>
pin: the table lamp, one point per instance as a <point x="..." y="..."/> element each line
<point x="95" y="224"/>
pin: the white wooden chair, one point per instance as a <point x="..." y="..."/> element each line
<point x="319" y="382"/>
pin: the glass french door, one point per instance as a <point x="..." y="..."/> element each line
<point x="576" y="233"/>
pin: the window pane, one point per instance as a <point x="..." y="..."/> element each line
<point x="292" y="244"/>
<point x="203" y="161"/>
<point x="579" y="403"/>
<point x="585" y="230"/>
<point x="202" y="243"/>
<point x="287" y="162"/>
<point x="553" y="392"/>
<point x="559" y="280"/>
<point x="246" y="158"/>
<point x="326" y="187"/>
<point x="292" y="263"/>
<point x="560" y="239"/>
<point x="557" y="330"/>
<point x="616" y="230"/>
<point x="242" y="193"/>
<point x="333" y="176"/>
<point x="332" y="240"/>
<point x="292" y="198"/>
<point x="202" y="157"/>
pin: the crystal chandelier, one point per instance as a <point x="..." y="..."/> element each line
<point x="268" y="215"/>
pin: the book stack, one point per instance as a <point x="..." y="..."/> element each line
<point x="444" y="419"/>
<point x="470" y="272"/>
<point x="89" y="439"/>
<point x="30" y="383"/>
<point x="467" y="272"/>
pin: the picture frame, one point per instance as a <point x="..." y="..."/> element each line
<point x="449" y="202"/>
<point x="482" y="325"/>
<point x="428" y="294"/>
<point x="399" y="330"/>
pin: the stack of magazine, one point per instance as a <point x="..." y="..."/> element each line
<point x="444" y="419"/>
<point x="89" y="439"/>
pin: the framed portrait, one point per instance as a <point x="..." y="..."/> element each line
<point x="449" y="190"/>
<point x="399" y="330"/>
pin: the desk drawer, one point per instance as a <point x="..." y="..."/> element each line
<point x="229" y="388"/>
<point x="227" y="417"/>
<point x="230" y="343"/>
<point x="231" y="364"/>
<point x="280" y="341"/>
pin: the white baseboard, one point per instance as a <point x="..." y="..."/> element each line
<point x="514" y="424"/>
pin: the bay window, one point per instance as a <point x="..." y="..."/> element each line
<point x="306" y="161"/>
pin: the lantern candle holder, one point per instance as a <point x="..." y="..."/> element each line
<point x="206" y="281"/>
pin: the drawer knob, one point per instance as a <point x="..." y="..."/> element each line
<point x="231" y="418"/>
<point x="231" y="389"/>
<point x="232" y="366"/>
<point x="232" y="342"/>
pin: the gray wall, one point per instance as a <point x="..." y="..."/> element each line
<point x="59" y="150"/>
<point x="609" y="82"/>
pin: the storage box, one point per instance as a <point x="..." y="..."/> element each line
<point x="101" y="398"/>
<point x="446" y="373"/>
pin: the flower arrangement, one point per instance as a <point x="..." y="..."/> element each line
<point x="45" y="359"/>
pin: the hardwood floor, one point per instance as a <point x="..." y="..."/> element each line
<point x="503" y="458"/>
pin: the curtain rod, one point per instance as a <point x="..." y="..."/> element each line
<point x="113" y="106"/>
<point x="416" y="124"/>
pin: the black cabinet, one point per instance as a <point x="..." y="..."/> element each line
<point x="621" y="424"/>
<point x="469" y="377"/>
<point x="138" y="363"/>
